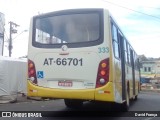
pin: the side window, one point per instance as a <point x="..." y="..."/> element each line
<point x="136" y="62"/>
<point x="114" y="31"/>
<point x="129" y="54"/>
<point x="116" y="45"/>
<point x="145" y="69"/>
<point x="149" y="69"/>
<point x="125" y="50"/>
<point x="133" y="58"/>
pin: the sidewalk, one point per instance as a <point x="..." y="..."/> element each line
<point x="24" y="98"/>
<point x="21" y="98"/>
<point x="151" y="90"/>
<point x="18" y="98"/>
<point x="7" y="99"/>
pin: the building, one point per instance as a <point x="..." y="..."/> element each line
<point x="2" y="23"/>
<point x="150" y="67"/>
<point x="151" y="70"/>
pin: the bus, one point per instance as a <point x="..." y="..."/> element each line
<point x="81" y="55"/>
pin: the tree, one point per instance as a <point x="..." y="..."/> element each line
<point x="142" y="58"/>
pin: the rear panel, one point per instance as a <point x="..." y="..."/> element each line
<point x="77" y="70"/>
<point x="67" y="50"/>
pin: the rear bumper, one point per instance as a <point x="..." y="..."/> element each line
<point x="99" y="94"/>
<point x="37" y="91"/>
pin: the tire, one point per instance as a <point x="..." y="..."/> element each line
<point x="73" y="103"/>
<point x="136" y="97"/>
<point x="126" y="104"/>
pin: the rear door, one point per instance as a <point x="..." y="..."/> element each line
<point x="133" y="70"/>
<point x="122" y="45"/>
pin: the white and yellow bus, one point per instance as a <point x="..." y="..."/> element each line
<point x="79" y="55"/>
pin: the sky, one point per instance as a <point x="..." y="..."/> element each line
<point x="139" y="20"/>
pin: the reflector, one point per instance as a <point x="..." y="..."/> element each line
<point x="32" y="72"/>
<point x="31" y="65"/>
<point x="103" y="65"/>
<point x="103" y="72"/>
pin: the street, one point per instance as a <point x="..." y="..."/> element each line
<point x="147" y="102"/>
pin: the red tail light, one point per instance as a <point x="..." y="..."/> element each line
<point x="103" y="73"/>
<point x="32" y="72"/>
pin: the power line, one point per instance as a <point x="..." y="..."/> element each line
<point x="151" y="7"/>
<point x="141" y="6"/>
<point x="132" y="10"/>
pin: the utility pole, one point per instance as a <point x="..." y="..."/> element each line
<point x="12" y="31"/>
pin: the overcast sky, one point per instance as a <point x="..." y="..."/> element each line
<point x="138" y="19"/>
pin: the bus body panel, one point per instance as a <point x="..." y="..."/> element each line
<point x="115" y="70"/>
<point x="100" y="94"/>
<point x="117" y="80"/>
<point x="85" y="94"/>
<point x="78" y="67"/>
<point x="93" y="55"/>
<point x="105" y="93"/>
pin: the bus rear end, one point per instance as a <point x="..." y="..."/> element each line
<point x="69" y="56"/>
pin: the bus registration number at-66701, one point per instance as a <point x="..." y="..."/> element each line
<point x="64" y="61"/>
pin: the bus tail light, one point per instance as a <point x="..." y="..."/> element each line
<point x="32" y="72"/>
<point x="103" y="73"/>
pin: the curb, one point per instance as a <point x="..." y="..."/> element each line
<point x="8" y="101"/>
<point x="35" y="98"/>
<point x="40" y="98"/>
<point x="154" y="91"/>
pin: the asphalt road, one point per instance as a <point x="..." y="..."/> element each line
<point x="147" y="103"/>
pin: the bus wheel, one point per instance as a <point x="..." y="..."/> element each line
<point x="125" y="105"/>
<point x="135" y="97"/>
<point x="73" y="103"/>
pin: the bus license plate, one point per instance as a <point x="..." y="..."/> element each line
<point x="65" y="83"/>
